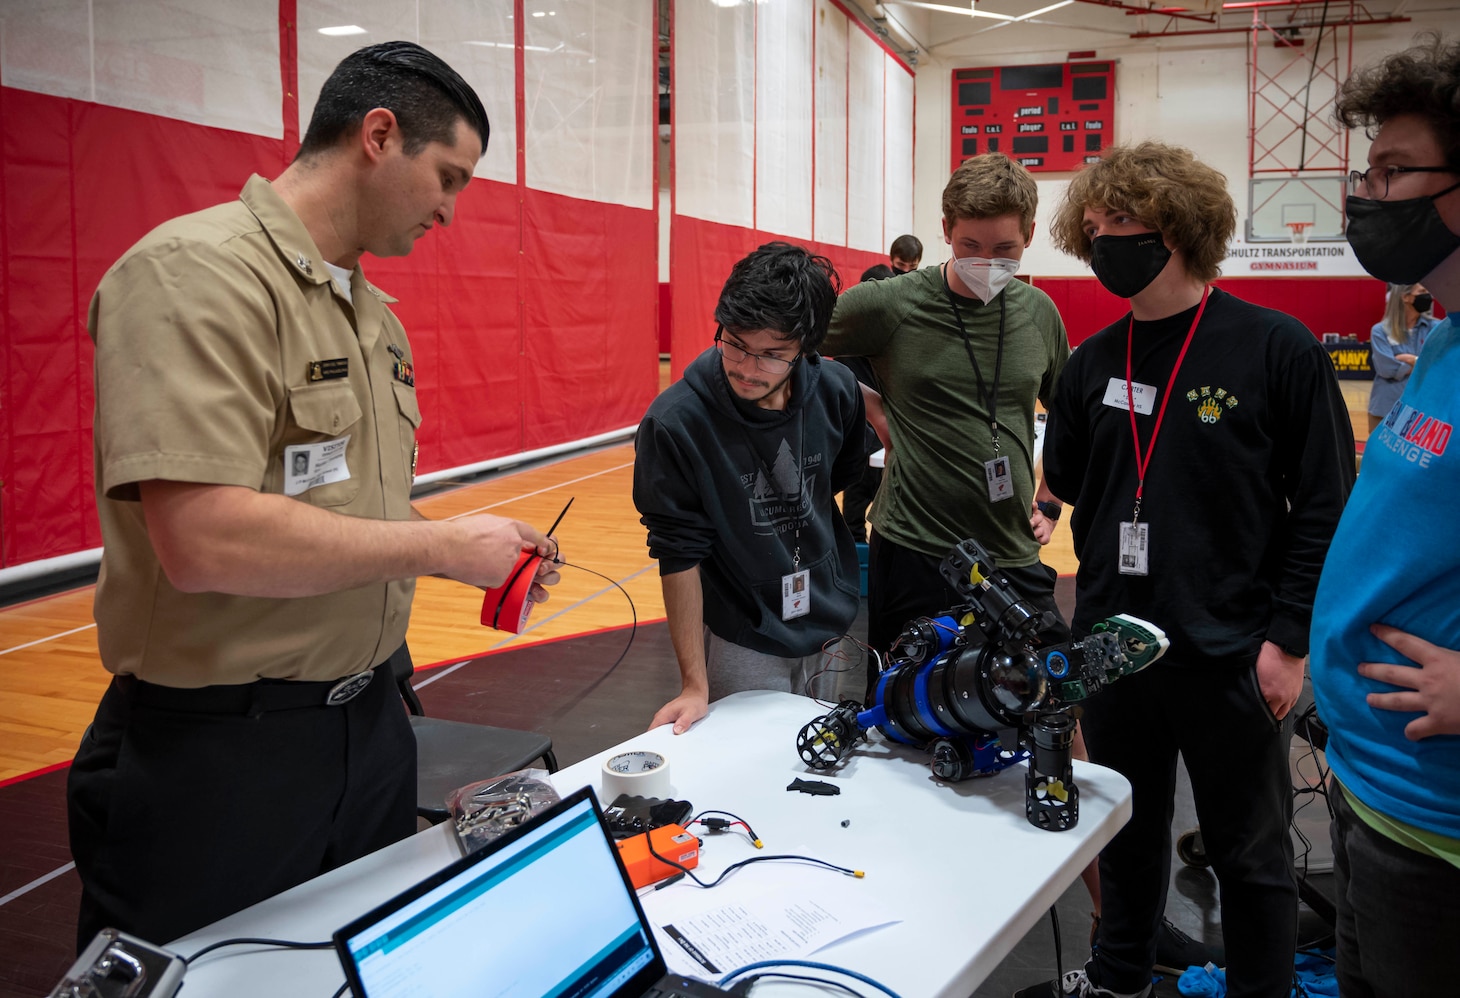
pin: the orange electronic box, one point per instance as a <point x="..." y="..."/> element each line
<point x="670" y="841"/>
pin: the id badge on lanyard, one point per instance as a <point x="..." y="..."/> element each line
<point x="1135" y="536"/>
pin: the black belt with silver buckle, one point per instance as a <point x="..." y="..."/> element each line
<point x="259" y="697"/>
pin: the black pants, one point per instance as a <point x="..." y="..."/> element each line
<point x="180" y="817"/>
<point x="903" y="584"/>
<point x="1397" y="913"/>
<point x="1237" y="757"/>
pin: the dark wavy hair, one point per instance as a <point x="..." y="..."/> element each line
<point x="426" y="96"/>
<point x="877" y="272"/>
<point x="783" y="288"/>
<point x="1423" y="80"/>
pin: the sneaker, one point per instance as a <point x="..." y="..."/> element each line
<point x="1175" y="951"/>
<point x="1076" y="985"/>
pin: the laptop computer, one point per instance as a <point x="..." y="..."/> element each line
<point x="545" y="910"/>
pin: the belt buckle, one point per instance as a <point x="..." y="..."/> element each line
<point x="348" y="688"/>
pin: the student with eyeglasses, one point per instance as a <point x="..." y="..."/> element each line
<point x="1386" y="620"/>
<point x="735" y="472"/>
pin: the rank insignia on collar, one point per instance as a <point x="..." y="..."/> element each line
<point x="404" y="372"/>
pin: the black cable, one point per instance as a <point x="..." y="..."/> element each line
<point x="633" y="629"/>
<point x="648" y="840"/>
<point x="252" y="941"/>
<point x="1059" y="950"/>
<point x="747" y="983"/>
<point x="748" y="830"/>
<point x="343" y="988"/>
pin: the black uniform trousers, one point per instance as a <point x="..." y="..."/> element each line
<point x="186" y="806"/>
<point x="903" y="584"/>
<point x="1236" y="754"/>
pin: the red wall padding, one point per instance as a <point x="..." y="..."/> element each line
<point x="81" y="183"/>
<point x="700" y="259"/>
<point x="542" y="305"/>
<point x="1341" y="305"/>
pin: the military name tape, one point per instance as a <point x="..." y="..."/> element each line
<point x="644" y="774"/>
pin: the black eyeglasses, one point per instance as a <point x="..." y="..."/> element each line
<point x="735" y="354"/>
<point x="1377" y="177"/>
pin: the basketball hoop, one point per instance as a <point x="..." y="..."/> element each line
<point x="1300" y="232"/>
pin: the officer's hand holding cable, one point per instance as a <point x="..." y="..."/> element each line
<point x="484" y="549"/>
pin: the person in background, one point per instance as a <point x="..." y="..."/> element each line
<point x="1207" y="450"/>
<point x="905" y="255"/>
<point x="255" y="434"/>
<point x="1386" y="677"/>
<point x="736" y="470"/>
<point x="859" y="494"/>
<point x="1394" y="345"/>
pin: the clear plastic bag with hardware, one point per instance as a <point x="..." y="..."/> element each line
<point x="482" y="811"/>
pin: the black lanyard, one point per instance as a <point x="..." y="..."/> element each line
<point x="990" y="399"/>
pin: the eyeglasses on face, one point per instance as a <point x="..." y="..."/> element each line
<point x="735" y="354"/>
<point x="1375" y="180"/>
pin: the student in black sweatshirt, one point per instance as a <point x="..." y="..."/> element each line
<point x="1207" y="450"/>
<point x="735" y="472"/>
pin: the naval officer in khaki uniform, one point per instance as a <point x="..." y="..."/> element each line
<point x="255" y="433"/>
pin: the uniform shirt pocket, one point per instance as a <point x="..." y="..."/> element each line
<point x="410" y="421"/>
<point x="319" y="416"/>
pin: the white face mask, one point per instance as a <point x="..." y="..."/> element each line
<point x="985" y="278"/>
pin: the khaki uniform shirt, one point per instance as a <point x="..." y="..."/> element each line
<point x="221" y="341"/>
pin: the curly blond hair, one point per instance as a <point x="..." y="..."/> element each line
<point x="990" y="186"/>
<point x="1165" y="187"/>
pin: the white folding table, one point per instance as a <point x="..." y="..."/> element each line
<point x="960" y="866"/>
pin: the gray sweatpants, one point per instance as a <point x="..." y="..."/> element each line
<point x="733" y="669"/>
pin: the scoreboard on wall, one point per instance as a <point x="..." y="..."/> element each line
<point x="1052" y="117"/>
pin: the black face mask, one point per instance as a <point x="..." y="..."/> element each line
<point x="1422" y="303"/>
<point x="1126" y="265"/>
<point x="1400" y="241"/>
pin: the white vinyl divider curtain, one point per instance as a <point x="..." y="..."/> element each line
<point x="714" y="111"/>
<point x="210" y="62"/>
<point x="897" y="156"/>
<point x="784" y="114"/>
<point x="784" y="66"/>
<point x="865" y="134"/>
<point x="589" y="91"/>
<point x="832" y="29"/>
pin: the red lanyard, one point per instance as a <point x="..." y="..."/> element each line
<point x="1143" y="465"/>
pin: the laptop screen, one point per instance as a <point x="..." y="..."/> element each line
<point x="543" y="911"/>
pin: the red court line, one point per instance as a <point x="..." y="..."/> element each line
<point x="544" y="641"/>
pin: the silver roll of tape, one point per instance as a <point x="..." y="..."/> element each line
<point x="640" y="773"/>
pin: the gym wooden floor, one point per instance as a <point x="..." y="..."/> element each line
<point x="51" y="677"/>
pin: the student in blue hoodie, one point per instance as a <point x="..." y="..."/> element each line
<point x="1386" y="621"/>
<point x="736" y="469"/>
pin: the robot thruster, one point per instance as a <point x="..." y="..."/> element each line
<point x="975" y="687"/>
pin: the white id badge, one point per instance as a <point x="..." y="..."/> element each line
<point x="309" y="465"/>
<point x="1134" y="545"/>
<point x="795" y="595"/>
<point x="1000" y="479"/>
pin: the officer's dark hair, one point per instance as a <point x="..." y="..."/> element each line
<point x="1423" y="80"/>
<point x="907" y="248"/>
<point x="426" y="96"/>
<point x="783" y="288"/>
<point x="877" y="272"/>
